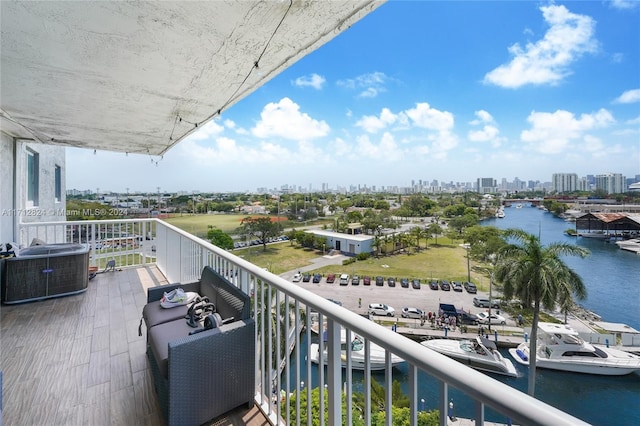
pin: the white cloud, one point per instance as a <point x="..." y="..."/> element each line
<point x="312" y="80"/>
<point x="386" y="149"/>
<point x="370" y="85"/>
<point x="284" y="119"/>
<point x="552" y="133"/>
<point x="340" y="148"/>
<point x="634" y="121"/>
<point x="547" y="61"/>
<point x="617" y="58"/>
<point x="483" y="117"/>
<point x="628" y="97"/>
<point x="442" y="143"/>
<point x="373" y="124"/>
<point x="430" y="118"/>
<point x="488" y="133"/>
<point x="592" y="144"/>
<point x="624" y="4"/>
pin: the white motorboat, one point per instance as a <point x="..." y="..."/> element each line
<point x="481" y="354"/>
<point x="559" y="347"/>
<point x="377" y="354"/>
<point x="500" y="213"/>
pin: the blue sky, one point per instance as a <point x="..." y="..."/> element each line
<point x="427" y="90"/>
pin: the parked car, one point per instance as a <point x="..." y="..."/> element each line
<point x="463" y="316"/>
<point x="415" y="283"/>
<point x="337" y="302"/>
<point x="411" y="313"/>
<point x="457" y="286"/>
<point x="297" y="277"/>
<point x="366" y="280"/>
<point x="306" y="277"/>
<point x="344" y="279"/>
<point x="317" y="278"/>
<point x="404" y="282"/>
<point x="470" y="287"/>
<point x="444" y="285"/>
<point x="355" y="280"/>
<point x="391" y="281"/>
<point x="433" y="285"/>
<point x="481" y="302"/>
<point x="381" y="309"/>
<point x="331" y="278"/>
<point x="379" y="280"/>
<point x="483" y="318"/>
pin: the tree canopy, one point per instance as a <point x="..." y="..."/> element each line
<point x="260" y="227"/>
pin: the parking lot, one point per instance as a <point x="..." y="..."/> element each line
<point x="357" y="297"/>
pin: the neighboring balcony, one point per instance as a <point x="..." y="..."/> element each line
<point x="79" y="359"/>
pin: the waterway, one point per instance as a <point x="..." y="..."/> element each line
<point x="612" y="278"/>
<point x="611" y="275"/>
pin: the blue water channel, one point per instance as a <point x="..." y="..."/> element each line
<point x="612" y="278"/>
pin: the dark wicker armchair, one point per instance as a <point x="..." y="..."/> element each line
<point x="201" y="376"/>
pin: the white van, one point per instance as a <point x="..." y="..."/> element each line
<point x="344" y="279"/>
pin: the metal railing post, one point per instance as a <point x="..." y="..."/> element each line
<point x="334" y="366"/>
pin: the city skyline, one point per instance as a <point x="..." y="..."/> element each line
<point x="416" y="186"/>
<point x="449" y="91"/>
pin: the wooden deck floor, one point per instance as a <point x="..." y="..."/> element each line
<point x="78" y="360"/>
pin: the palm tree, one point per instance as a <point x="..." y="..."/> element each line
<point x="418" y="233"/>
<point x="537" y="275"/>
<point x="377" y="242"/>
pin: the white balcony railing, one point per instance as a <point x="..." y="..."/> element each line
<point x="181" y="257"/>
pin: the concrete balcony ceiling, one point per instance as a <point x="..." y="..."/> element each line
<point x="140" y="76"/>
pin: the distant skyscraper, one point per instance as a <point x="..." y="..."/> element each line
<point x="564" y="182"/>
<point x="486" y="185"/>
<point x="612" y="183"/>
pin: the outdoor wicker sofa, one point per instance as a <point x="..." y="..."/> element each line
<point x="203" y="375"/>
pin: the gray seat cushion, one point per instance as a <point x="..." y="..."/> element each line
<point x="155" y="314"/>
<point x="159" y="337"/>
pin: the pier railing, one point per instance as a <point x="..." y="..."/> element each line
<point x="280" y="306"/>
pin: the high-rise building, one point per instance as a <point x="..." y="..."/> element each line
<point x="564" y="182"/>
<point x="486" y="185"/>
<point x="612" y="183"/>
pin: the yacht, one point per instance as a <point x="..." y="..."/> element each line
<point x="559" y="347"/>
<point x="377" y="354"/>
<point x="481" y="354"/>
<point x="500" y="213"/>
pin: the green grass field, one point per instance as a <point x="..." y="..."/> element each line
<point x="228" y="223"/>
<point x="198" y="224"/>
<point x="446" y="260"/>
<point x="438" y="262"/>
<point x="279" y="257"/>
